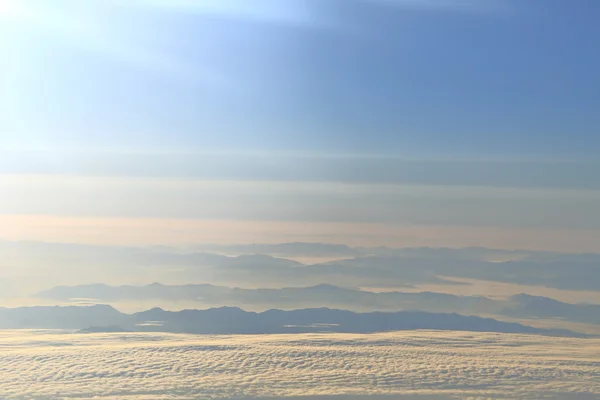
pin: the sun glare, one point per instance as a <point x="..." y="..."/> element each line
<point x="9" y="8"/>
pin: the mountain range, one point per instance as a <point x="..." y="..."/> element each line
<point x="51" y="264"/>
<point x="233" y="320"/>
<point x="518" y="306"/>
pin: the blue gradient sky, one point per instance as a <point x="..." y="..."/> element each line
<point x="452" y="93"/>
<point x="404" y="77"/>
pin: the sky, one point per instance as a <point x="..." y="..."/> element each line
<point x="397" y="122"/>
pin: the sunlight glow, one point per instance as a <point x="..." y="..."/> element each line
<point x="9" y="8"/>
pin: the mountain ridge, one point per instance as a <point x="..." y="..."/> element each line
<point x="517" y="306"/>
<point x="234" y="320"/>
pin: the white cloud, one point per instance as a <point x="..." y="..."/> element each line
<point x="153" y="366"/>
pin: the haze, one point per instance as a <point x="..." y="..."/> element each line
<point x="177" y="175"/>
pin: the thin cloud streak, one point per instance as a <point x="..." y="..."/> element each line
<point x="322" y="202"/>
<point x="308" y="167"/>
<point x="183" y="232"/>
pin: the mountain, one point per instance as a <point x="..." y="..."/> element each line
<point x="519" y="306"/>
<point x="233" y="320"/>
<point x="71" y="317"/>
<point x="287" y="298"/>
<point x="49" y="264"/>
<point x="527" y="306"/>
<point x="563" y="271"/>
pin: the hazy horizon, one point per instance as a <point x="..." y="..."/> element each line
<point x="299" y="199"/>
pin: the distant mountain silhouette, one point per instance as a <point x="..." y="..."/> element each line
<point x="255" y="265"/>
<point x="233" y="320"/>
<point x="527" y="306"/>
<point x="56" y="317"/>
<point x="287" y="298"/>
<point x="520" y="306"/>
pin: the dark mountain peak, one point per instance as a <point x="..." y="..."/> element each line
<point x="155" y="310"/>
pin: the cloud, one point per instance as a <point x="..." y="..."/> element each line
<point x="183" y="232"/>
<point x="310" y="167"/>
<point x="446" y="205"/>
<point x="158" y="366"/>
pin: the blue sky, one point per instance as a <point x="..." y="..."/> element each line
<point x="403" y="77"/>
<point x="452" y="93"/>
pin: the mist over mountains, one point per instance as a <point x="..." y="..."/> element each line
<point x="233" y="320"/>
<point x="259" y="277"/>
<point x="518" y="306"/>
<point x="36" y="266"/>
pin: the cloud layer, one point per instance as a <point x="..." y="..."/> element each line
<point x="151" y="366"/>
